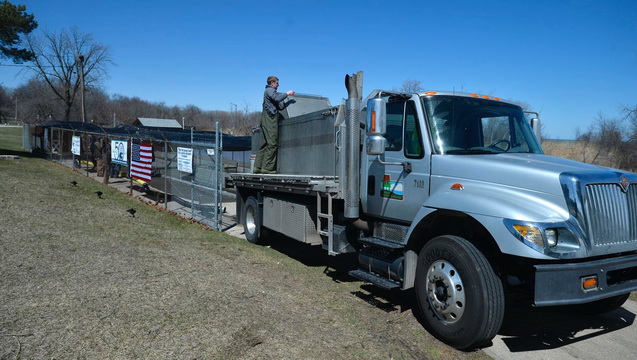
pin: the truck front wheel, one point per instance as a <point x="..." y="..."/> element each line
<point x="459" y="296"/>
<point x="252" y="222"/>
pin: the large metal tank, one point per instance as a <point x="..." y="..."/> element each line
<point x="301" y="104"/>
<point x="307" y="137"/>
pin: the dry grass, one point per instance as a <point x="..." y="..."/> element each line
<point x="81" y="278"/>
<point x="579" y="151"/>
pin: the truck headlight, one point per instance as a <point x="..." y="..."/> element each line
<point x="554" y="239"/>
<point x="551" y="237"/>
<point x="530" y="233"/>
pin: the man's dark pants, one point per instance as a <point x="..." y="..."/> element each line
<point x="266" y="156"/>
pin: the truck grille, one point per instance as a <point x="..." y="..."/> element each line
<point x="611" y="214"/>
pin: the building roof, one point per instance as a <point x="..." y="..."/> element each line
<point x="158" y="123"/>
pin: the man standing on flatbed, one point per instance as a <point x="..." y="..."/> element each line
<point x="273" y="102"/>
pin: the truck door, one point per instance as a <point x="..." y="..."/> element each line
<point x="392" y="190"/>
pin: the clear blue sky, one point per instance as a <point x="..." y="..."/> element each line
<point x="569" y="60"/>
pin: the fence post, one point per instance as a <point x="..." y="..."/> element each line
<point x="192" y="178"/>
<point x="165" y="174"/>
<point x="215" y="193"/>
<point x="130" y="175"/>
<point x="106" y="159"/>
<point x="72" y="153"/>
<point x="219" y="176"/>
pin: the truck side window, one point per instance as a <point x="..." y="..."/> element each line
<point x="394" y="130"/>
<point x="413" y="139"/>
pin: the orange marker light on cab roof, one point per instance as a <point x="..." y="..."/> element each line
<point x="430" y="93"/>
<point x="457" y="186"/>
<point x="485" y="96"/>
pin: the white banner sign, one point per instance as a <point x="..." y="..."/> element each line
<point x="75" y="145"/>
<point x="184" y="159"/>
<point x="119" y="151"/>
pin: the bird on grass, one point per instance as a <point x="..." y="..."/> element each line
<point x="132" y="211"/>
<point x="74" y="183"/>
<point x="99" y="194"/>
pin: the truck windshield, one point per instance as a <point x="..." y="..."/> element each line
<point x="464" y="125"/>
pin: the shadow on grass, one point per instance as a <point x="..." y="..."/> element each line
<point x="22" y="153"/>
<point x="338" y="268"/>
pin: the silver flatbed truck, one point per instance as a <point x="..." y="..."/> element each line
<point x="450" y="195"/>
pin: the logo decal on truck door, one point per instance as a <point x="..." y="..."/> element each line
<point x="391" y="189"/>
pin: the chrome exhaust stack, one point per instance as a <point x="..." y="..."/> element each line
<point x="354" y="85"/>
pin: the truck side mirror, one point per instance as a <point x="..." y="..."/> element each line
<point x="375" y="126"/>
<point x="536" y="125"/>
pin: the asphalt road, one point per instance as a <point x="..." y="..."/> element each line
<point x="531" y="334"/>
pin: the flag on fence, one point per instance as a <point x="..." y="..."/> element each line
<point x="141" y="160"/>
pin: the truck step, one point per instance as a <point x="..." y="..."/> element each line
<point x="374" y="279"/>
<point x="374" y="241"/>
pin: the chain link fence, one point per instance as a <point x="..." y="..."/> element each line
<point x="186" y="170"/>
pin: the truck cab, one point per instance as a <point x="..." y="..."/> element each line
<point x="460" y="183"/>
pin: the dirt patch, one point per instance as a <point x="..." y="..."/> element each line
<point x="82" y="278"/>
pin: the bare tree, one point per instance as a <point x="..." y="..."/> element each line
<point x="36" y="103"/>
<point x="604" y="142"/>
<point x="630" y="114"/>
<point x="98" y="110"/>
<point x="246" y="120"/>
<point x="56" y="62"/>
<point x="411" y="86"/>
<point x="5" y="104"/>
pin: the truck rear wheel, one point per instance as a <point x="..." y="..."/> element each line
<point x="252" y="222"/>
<point x="460" y="297"/>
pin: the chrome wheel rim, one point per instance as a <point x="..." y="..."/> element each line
<point x="251" y="226"/>
<point x="445" y="291"/>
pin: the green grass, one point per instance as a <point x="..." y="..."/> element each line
<point x="10" y="140"/>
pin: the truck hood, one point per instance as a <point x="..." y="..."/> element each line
<point x="534" y="172"/>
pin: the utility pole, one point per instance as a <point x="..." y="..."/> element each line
<point x="80" y="71"/>
<point x="16" y="108"/>
<point x="233" y="117"/>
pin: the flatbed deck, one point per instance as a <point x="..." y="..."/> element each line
<point x="301" y="184"/>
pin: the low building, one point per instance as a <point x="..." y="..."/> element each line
<point x="157" y="123"/>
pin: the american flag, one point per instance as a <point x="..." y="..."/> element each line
<point x="141" y="160"/>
